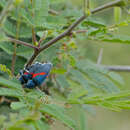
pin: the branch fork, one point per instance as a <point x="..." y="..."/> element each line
<point x="69" y="31"/>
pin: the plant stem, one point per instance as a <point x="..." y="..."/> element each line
<point x="69" y="30"/>
<point x="88" y="4"/>
<point x="35" y="54"/>
<point x="117" y="68"/>
<point x="100" y="57"/>
<point x="80" y="31"/>
<point x="53" y="12"/>
<point x="13" y="59"/>
<point x="108" y="5"/>
<point x="15" y="46"/>
<point x="22" y="43"/>
<point x="33" y="37"/>
<point x="33" y="31"/>
<point x="84" y="7"/>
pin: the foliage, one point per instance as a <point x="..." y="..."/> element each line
<point x="73" y="80"/>
<point x="3" y="68"/>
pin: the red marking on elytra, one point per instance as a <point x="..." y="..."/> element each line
<point x="35" y="74"/>
<point x="42" y="73"/>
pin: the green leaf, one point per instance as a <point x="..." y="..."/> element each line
<point x="34" y="95"/>
<point x="50" y="53"/>
<point x="3" y="3"/>
<point x="10" y="92"/>
<point x="42" y="7"/>
<point x="123" y="104"/>
<point x="55" y="21"/>
<point x="72" y="60"/>
<point x="82" y="117"/>
<point x="98" y="76"/>
<point x="27" y="51"/>
<point x="117" y="14"/>
<point x="61" y="79"/>
<point x="103" y="81"/>
<point x="7" y="47"/>
<point x="39" y="20"/>
<point x="42" y="34"/>
<point x="58" y="71"/>
<point x="3" y="68"/>
<point x="96" y="31"/>
<point x="40" y="10"/>
<point x="93" y="22"/>
<point x="89" y="65"/>
<point x="72" y="13"/>
<point x="11" y="28"/>
<point x="117" y="96"/>
<point x="3" y="37"/>
<point x="2" y="119"/>
<point x="115" y="101"/>
<point x="18" y="105"/>
<point x="123" y="23"/>
<point x="116" y="39"/>
<point x="116" y="77"/>
<point x="92" y="31"/>
<point x="77" y="93"/>
<point x="110" y="106"/>
<point x="41" y="125"/>
<point x="10" y="84"/>
<point x="58" y="113"/>
<point x="26" y="15"/>
<point x="77" y="76"/>
<point x="18" y="2"/>
<point x="72" y="44"/>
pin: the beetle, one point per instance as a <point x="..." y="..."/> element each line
<point x="35" y="74"/>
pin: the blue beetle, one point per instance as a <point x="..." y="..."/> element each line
<point x="35" y="74"/>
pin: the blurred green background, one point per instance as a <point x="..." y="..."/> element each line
<point x="113" y="54"/>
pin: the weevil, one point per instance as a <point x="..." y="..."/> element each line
<point x="35" y="74"/>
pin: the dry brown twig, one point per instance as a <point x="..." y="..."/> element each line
<point x="38" y="49"/>
<point x="70" y="29"/>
